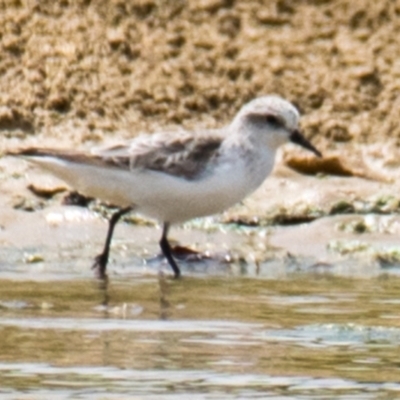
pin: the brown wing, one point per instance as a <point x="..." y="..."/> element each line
<point x="185" y="156"/>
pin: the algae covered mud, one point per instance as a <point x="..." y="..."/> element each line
<point x="297" y="295"/>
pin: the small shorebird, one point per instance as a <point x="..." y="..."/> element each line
<point x="180" y="176"/>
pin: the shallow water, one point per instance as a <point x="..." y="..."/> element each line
<point x="305" y="336"/>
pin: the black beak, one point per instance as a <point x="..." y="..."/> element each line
<point x="298" y="138"/>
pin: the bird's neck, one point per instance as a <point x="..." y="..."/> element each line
<point x="247" y="145"/>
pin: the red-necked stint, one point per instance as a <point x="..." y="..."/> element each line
<point x="176" y="177"/>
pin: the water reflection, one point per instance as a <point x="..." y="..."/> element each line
<point x="307" y="336"/>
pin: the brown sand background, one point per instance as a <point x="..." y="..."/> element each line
<point x="81" y="70"/>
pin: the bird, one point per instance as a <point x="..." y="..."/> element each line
<point x="177" y="176"/>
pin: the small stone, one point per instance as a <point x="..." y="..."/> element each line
<point x="33" y="258"/>
<point x="46" y="192"/>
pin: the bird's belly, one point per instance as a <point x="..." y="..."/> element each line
<point x="188" y="203"/>
<point x="177" y="200"/>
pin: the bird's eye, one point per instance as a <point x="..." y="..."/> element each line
<point x="272" y="120"/>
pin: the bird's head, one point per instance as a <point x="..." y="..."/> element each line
<point x="272" y="120"/>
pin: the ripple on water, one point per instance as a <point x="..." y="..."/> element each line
<point x="197" y="338"/>
<point x="108" y="382"/>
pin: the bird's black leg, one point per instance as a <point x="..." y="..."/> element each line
<point x="166" y="250"/>
<point x="100" y="262"/>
